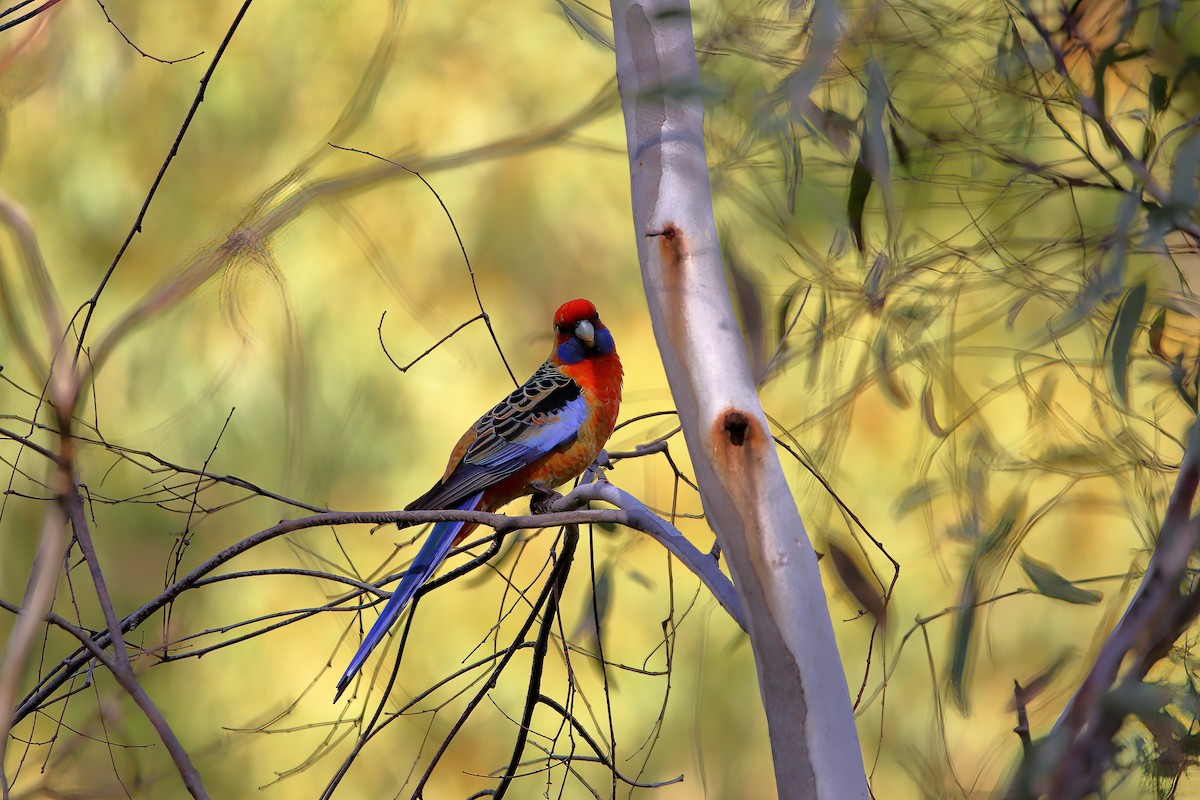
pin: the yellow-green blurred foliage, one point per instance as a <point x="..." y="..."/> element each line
<point x="927" y="393"/>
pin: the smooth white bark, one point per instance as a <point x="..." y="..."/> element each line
<point x="748" y="502"/>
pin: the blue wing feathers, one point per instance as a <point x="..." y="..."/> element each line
<point x="543" y="414"/>
<point x="432" y="553"/>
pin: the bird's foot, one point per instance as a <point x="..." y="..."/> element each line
<point x="543" y="497"/>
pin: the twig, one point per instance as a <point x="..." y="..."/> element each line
<point x="487" y="320"/>
<point x="25" y="441"/>
<point x="158" y="179"/>
<point x="261" y="224"/>
<point x="518" y="643"/>
<point x="128" y="682"/>
<point x="556" y="584"/>
<point x="181" y="542"/>
<point x="1022" y="729"/>
<point x="561" y="567"/>
<point x="142" y="52"/>
<point x="429" y="350"/>
<point x="1091" y="107"/>
<point x="592" y="743"/>
<point x="46" y="6"/>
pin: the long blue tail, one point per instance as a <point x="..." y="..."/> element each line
<point x="429" y="558"/>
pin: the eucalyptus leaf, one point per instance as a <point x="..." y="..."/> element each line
<point x="1124" y="328"/>
<point x="1050" y="583"/>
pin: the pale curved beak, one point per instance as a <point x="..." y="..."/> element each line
<point x="586" y="333"/>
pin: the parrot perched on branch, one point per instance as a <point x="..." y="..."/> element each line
<point x="546" y="432"/>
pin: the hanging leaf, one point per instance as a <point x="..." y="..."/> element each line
<point x="917" y="496"/>
<point x="1158" y="326"/>
<point x="1043" y="404"/>
<point x="889" y="381"/>
<point x="1183" y="175"/>
<point x="1048" y="582"/>
<point x="1185" y="382"/>
<point x="901" y="147"/>
<point x="820" y="334"/>
<point x="1015" y="309"/>
<point x="856" y="580"/>
<point x="1108" y="56"/>
<point x="875" y="285"/>
<point x="1120" y="338"/>
<point x="1040" y="682"/>
<point x="783" y="310"/>
<point x="578" y="20"/>
<point x="998" y="539"/>
<point x="1149" y="140"/>
<point x="1159" y="96"/>
<point x="793" y="165"/>
<point x="876" y="154"/>
<point x="824" y="25"/>
<point x="960" y="647"/>
<point x="860" y="187"/>
<point x="604" y="587"/>
<point x="749" y="308"/>
<point x="1107" y="279"/>
<point x="927" y="412"/>
<point x="1140" y="699"/>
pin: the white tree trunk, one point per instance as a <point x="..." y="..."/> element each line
<point x="748" y="502"/>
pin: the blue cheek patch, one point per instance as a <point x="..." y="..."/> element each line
<point x="604" y="342"/>
<point x="571" y="351"/>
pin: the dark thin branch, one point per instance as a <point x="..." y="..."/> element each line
<point x="474" y="665"/>
<point x="262" y="224"/>
<point x="229" y="480"/>
<point x="487" y="320"/>
<point x="25" y="441"/>
<point x="15" y="8"/>
<point x="128" y="453"/>
<point x="517" y="644"/>
<point x="433" y="347"/>
<point x="46" y="6"/>
<point x="180" y="544"/>
<point x="1022" y="729"/>
<point x="562" y="565"/>
<point x="142" y="52"/>
<point x="158" y="179"/>
<point x="591" y="742"/>
<point x="128" y="682"/>
<point x="557" y="584"/>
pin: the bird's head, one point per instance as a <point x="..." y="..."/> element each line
<point x="579" y="333"/>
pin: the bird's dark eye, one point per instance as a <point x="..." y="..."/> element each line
<point x="563" y="328"/>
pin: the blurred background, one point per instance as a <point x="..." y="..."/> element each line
<point x="930" y="283"/>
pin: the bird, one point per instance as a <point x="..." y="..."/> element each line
<point x="543" y="434"/>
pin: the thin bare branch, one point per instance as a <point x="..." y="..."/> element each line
<point x="136" y="228"/>
<point x="128" y="681"/>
